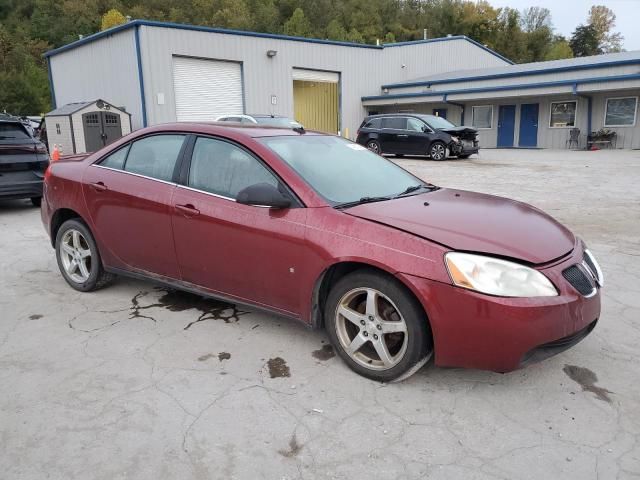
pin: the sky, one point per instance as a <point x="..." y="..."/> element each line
<point x="568" y="14"/>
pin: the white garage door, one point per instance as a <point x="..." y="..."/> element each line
<point x="205" y="89"/>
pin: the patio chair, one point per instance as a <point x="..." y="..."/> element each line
<point x="574" y="137"/>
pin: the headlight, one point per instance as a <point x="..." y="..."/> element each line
<point x="497" y="277"/>
<point x="455" y="139"/>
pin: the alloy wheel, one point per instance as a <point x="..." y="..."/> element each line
<point x="75" y="254"/>
<point x="438" y="151"/>
<point x="371" y="329"/>
<point x="373" y="146"/>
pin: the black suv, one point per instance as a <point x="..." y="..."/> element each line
<point x="23" y="160"/>
<point x="415" y="134"/>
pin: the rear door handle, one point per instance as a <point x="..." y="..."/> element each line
<point x="99" y="186"/>
<point x="188" y="210"/>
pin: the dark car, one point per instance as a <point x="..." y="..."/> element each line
<point x="319" y="229"/>
<point x="414" y="134"/>
<point x="23" y="161"/>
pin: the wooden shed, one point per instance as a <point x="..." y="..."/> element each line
<point x="86" y="126"/>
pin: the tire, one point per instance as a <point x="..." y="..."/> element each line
<point x="36" y="201"/>
<point x="407" y="344"/>
<point x="374" y="146"/>
<point x="438" y="151"/>
<point x="465" y="156"/>
<point x="75" y="247"/>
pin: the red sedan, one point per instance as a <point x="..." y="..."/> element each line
<point x="320" y="229"/>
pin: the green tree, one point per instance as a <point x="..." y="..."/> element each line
<point x="336" y="31"/>
<point x="298" y="25"/>
<point x="112" y="18"/>
<point x="559" y="49"/>
<point x="585" y="42"/>
<point x="603" y="20"/>
<point x="233" y="14"/>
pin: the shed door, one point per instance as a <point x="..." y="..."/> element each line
<point x="92" y="124"/>
<point x="206" y="89"/>
<point x="111" y="127"/>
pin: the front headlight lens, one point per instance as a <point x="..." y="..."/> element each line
<point x="497" y="277"/>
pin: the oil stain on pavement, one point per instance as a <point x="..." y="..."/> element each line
<point x="294" y="448"/>
<point x="35" y="316"/>
<point x="278" y="367"/>
<point x="177" y="301"/>
<point x="325" y="353"/>
<point x="224" y="356"/>
<point x="587" y="379"/>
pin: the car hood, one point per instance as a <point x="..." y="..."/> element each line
<point x="474" y="222"/>
<point x="459" y="130"/>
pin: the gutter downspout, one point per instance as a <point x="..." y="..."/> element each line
<point x="460" y="105"/>
<point x="143" y="102"/>
<point x="52" y="91"/>
<point x="589" y="106"/>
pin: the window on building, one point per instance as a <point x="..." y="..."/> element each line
<point x="620" y="112"/>
<point x="224" y="169"/>
<point x="394" y="123"/>
<point x="563" y="114"/>
<point x="58" y="128"/>
<point x="116" y="159"/>
<point x="155" y="156"/>
<point x="482" y="116"/>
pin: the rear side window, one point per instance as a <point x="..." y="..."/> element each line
<point x="116" y="159"/>
<point x="375" y="123"/>
<point x="11" y="130"/>
<point x="395" y="123"/>
<point x="224" y="169"/>
<point x="155" y="156"/>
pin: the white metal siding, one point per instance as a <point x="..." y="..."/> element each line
<point x="315" y="76"/>
<point x="63" y="140"/>
<point x="205" y="89"/>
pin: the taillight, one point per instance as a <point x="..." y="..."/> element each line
<point x="40" y="148"/>
<point x="47" y="173"/>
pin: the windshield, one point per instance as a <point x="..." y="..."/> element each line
<point x="278" y="122"/>
<point x="437" y="122"/>
<point x="339" y="170"/>
<point x="13" y="130"/>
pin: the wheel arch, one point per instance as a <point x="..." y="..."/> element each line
<point x="341" y="268"/>
<point x="58" y="218"/>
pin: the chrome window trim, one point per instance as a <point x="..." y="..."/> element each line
<point x="134" y="174"/>
<point x="206" y="193"/>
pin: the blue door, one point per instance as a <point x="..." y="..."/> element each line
<point x="528" y="125"/>
<point x="440" y="112"/>
<point x="506" y="125"/>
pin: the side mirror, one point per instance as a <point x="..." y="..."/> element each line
<point x="263" y="195"/>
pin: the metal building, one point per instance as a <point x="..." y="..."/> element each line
<point x="163" y="72"/>
<point x="555" y="104"/>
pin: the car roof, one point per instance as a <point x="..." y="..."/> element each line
<point x="219" y="128"/>
<point x="265" y="115"/>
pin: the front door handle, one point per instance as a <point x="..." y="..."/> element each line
<point x="402" y="135"/>
<point x="188" y="210"/>
<point x="99" y="186"/>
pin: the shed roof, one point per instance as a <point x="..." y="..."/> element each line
<point x="71" y="108"/>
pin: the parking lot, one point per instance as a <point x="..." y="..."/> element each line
<point x="137" y="382"/>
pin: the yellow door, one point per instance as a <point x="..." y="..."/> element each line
<point x="315" y="105"/>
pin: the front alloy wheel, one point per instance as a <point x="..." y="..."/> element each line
<point x="374" y="146"/>
<point x="438" y="151"/>
<point x="377" y="326"/>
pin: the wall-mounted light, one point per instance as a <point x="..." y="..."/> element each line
<point x="385" y="91"/>
<point x="271" y="53"/>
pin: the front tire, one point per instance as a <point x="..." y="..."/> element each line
<point x="78" y="257"/>
<point x="438" y="151"/>
<point x="377" y="327"/>
<point x="374" y="146"/>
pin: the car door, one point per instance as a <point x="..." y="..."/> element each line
<point x="247" y="252"/>
<point x="393" y="135"/>
<point x="418" y="140"/>
<point x="128" y="195"/>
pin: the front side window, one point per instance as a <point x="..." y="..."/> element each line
<point x="563" y="114"/>
<point x="339" y="170"/>
<point x="155" y="156"/>
<point x="224" y="169"/>
<point x="374" y="123"/>
<point x="620" y="112"/>
<point x="415" y="125"/>
<point x="394" y="123"/>
<point x="482" y="116"/>
<point x="116" y="159"/>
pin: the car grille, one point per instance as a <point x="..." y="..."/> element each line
<point x="580" y="280"/>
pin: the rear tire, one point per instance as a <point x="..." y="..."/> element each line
<point x="374" y="146"/>
<point x="36" y="201"/>
<point x="438" y="151"/>
<point x="377" y="327"/>
<point x="78" y="257"/>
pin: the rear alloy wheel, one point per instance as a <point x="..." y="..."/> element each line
<point x="377" y="327"/>
<point x="438" y="151"/>
<point x="374" y="146"/>
<point x="78" y="257"/>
